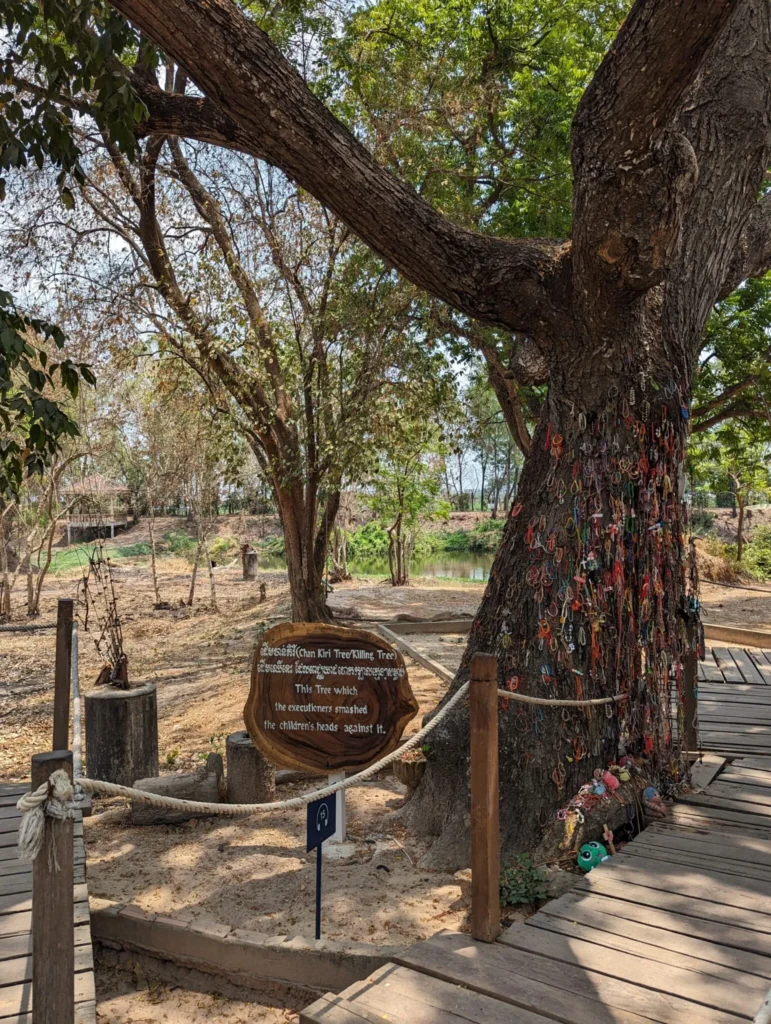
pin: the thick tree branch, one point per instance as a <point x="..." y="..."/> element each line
<point x="752" y="256"/>
<point x="640" y="84"/>
<point x="234" y="63"/>
<point x="623" y="141"/>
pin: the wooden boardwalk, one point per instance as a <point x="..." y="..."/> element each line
<point x="16" y="923"/>
<point x="674" y="929"/>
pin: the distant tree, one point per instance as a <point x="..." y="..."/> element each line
<point x="406" y="487"/>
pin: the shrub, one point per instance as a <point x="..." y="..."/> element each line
<point x="702" y="522"/>
<point x="179" y="543"/>
<point x="368" y="541"/>
<point x="222" y="548"/>
<point x="522" y="882"/>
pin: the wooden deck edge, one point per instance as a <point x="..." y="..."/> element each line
<point x="416" y="655"/>
<point x="429" y="626"/>
<point x="737" y="635"/>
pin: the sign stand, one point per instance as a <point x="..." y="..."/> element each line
<point x="321" y="825"/>
<point x="339" y="797"/>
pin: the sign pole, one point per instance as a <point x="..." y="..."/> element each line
<point x="321" y="826"/>
<point x="318" y="890"/>
<point x="339" y="836"/>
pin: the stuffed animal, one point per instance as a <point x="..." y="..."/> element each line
<point x="590" y="855"/>
<point x="654" y="805"/>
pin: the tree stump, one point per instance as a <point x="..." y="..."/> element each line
<point x="122" y="734"/>
<point x="206" y="786"/>
<point x="250" y="565"/>
<point x="251" y="776"/>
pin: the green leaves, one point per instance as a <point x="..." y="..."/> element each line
<point x="61" y="59"/>
<point x="33" y="421"/>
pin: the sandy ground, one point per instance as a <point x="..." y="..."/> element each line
<point x="248" y="874"/>
<point x="129" y="991"/>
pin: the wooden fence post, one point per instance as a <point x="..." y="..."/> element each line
<point x="53" y="934"/>
<point x="485" y="825"/>
<point x="690" y="704"/>
<point x="63" y="671"/>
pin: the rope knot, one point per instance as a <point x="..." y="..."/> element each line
<point x="55" y="798"/>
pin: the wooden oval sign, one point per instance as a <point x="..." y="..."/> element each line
<point x="325" y="698"/>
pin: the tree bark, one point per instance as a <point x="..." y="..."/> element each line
<point x="122" y="734"/>
<point x="584" y="600"/>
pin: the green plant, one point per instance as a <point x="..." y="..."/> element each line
<point x="702" y="521"/>
<point x="172" y="756"/>
<point x="178" y="543"/>
<point x="522" y="882"/>
<point x="222" y="548"/>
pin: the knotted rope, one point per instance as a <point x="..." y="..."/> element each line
<point x="55" y="798"/>
<point x="61" y="803"/>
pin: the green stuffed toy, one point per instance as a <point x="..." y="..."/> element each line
<point x="590" y="855"/>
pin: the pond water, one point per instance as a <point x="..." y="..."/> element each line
<point x="459" y="565"/>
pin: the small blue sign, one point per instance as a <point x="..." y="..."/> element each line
<point x="322" y="820"/>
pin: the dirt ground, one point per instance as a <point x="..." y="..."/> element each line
<point x="253" y="873"/>
<point x="130" y="991"/>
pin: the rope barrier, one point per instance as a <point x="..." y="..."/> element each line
<point x="29" y="802"/>
<point x="32" y="628"/>
<point x="509" y="695"/>
<point x="55" y="799"/>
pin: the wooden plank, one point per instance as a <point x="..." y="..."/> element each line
<point x="623" y="888"/>
<point x="727" y="665"/>
<point x="737" y="848"/>
<point x="760" y="714"/>
<point x="332" y="1009"/>
<point x="85" y="1013"/>
<point x="11" y="880"/>
<point x="746" y="777"/>
<point x="746" y="950"/>
<point x="710" y="669"/>
<point x="760" y="663"/>
<point x="715" y="886"/>
<point x="407" y="648"/>
<point x="705" y="769"/>
<point x="691" y="859"/>
<point x="741" y="998"/>
<point x="15" y="924"/>
<point x="62" y="674"/>
<point x="727" y="804"/>
<point x="734" y="691"/>
<point x="12" y="946"/>
<point x="407" y="997"/>
<point x="16" y="904"/>
<point x="724" y="810"/>
<point x="720" y="822"/>
<point x="646" y="953"/>
<point x="17" y="999"/>
<point x="10" y="812"/>
<point x="9" y="838"/>
<point x="740" y="792"/>
<point x="14" y="972"/>
<point x="756" y="762"/>
<point x="10" y="853"/>
<point x="531" y="982"/>
<point x="485" y="827"/>
<point x="747" y="666"/>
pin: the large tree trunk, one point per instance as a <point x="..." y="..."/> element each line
<point x="306" y="548"/>
<point x="585" y="600"/>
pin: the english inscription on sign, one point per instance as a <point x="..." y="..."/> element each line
<point x="327" y="698"/>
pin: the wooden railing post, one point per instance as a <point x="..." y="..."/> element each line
<point x="53" y="936"/>
<point x="62" y="673"/>
<point x="485" y="825"/>
<point x="690" y="704"/>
